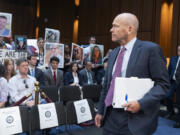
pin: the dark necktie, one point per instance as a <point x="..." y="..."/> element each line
<point x="117" y="73"/>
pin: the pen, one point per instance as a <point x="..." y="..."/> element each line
<point x="126" y="97"/>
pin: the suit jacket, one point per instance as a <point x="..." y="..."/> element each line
<point x="49" y="80"/>
<point x="172" y="66"/>
<point x="84" y="78"/>
<point x="68" y="78"/>
<point x="146" y="61"/>
<point x="39" y="75"/>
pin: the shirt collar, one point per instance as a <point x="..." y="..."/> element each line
<point x="30" y="68"/>
<point x="130" y="44"/>
<point x="20" y="77"/>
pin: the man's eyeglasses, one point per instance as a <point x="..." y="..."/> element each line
<point x="26" y="86"/>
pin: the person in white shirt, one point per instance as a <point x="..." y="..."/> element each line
<point x="22" y="84"/>
<point x="3" y="87"/>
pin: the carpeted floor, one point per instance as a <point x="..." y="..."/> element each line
<point x="165" y="127"/>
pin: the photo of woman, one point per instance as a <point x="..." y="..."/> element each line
<point x="97" y="54"/>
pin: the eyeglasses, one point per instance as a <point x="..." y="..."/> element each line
<point x="26" y="86"/>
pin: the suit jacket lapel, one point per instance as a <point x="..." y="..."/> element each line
<point x="57" y="77"/>
<point x="51" y="76"/>
<point x="112" y="61"/>
<point x="133" y="58"/>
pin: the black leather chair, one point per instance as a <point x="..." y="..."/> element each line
<point x="70" y="93"/>
<point x="52" y="92"/>
<point x="91" y="92"/>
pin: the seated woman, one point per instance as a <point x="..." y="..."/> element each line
<point x="72" y="77"/>
<point x="3" y="87"/>
<point x="9" y="69"/>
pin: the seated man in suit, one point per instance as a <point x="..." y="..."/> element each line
<point x="177" y="76"/>
<point x="174" y="61"/>
<point x="34" y="71"/>
<point x="86" y="75"/>
<point x="54" y="76"/>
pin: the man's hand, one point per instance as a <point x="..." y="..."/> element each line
<point x="132" y="106"/>
<point x="30" y="103"/>
<point x="98" y="119"/>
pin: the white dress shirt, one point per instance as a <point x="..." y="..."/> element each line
<point x="129" y="46"/>
<point x="32" y="69"/>
<point x="3" y="89"/>
<point x="76" y="79"/>
<point x="18" y="89"/>
<point x="174" y="77"/>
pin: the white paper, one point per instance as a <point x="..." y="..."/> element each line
<point x="82" y="111"/>
<point x="10" y="121"/>
<point x="47" y="116"/>
<point x="130" y="89"/>
<point x="33" y="42"/>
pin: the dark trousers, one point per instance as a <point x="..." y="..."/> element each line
<point x="170" y="96"/>
<point x="175" y="87"/>
<point x="116" y="122"/>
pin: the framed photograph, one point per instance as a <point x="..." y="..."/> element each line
<point x="52" y="35"/>
<point x="5" y="24"/>
<point x="77" y="54"/>
<point x="96" y="54"/>
<point x="32" y="47"/>
<point x="20" y="42"/>
<point x="54" y="49"/>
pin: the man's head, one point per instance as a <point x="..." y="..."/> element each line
<point x="88" y="65"/>
<point x="54" y="61"/>
<point x="32" y="60"/>
<point x="124" y="28"/>
<point x="92" y="40"/>
<point x="22" y="65"/>
<point x="3" y="22"/>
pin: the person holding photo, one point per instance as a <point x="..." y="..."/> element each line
<point x="40" y="44"/>
<point x="3" y="22"/>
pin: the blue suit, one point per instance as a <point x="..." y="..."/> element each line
<point x="39" y="75"/>
<point x="146" y="61"/>
<point x="174" y="84"/>
<point x="172" y="66"/>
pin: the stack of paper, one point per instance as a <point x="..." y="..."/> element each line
<point x="130" y="89"/>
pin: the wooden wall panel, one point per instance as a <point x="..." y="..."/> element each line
<point x="57" y="14"/>
<point x="147" y="11"/>
<point x="23" y="15"/>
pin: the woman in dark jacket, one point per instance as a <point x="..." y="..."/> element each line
<point x="72" y="77"/>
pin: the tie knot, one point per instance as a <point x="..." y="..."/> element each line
<point x="123" y="49"/>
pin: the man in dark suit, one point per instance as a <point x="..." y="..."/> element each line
<point x="177" y="76"/>
<point x="34" y="71"/>
<point x="133" y="58"/>
<point x="174" y="85"/>
<point x="86" y="75"/>
<point x="54" y="76"/>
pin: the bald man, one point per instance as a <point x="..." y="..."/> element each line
<point x="133" y="58"/>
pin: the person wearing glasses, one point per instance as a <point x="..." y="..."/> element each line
<point x="22" y="84"/>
